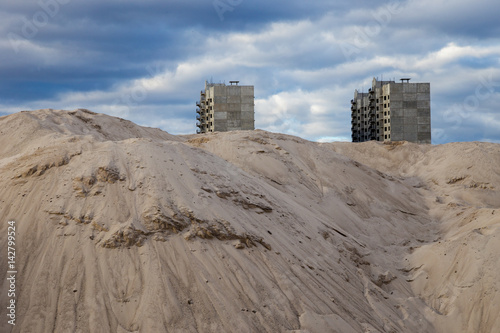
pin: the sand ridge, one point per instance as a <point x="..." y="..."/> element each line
<point x="130" y="229"/>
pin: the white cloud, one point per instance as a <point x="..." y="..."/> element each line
<point x="310" y="115"/>
<point x="303" y="82"/>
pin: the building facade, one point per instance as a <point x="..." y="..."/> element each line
<point x="224" y="108"/>
<point x="392" y="111"/>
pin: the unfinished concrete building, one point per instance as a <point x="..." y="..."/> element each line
<point x="224" y="108"/>
<point x="392" y="111"/>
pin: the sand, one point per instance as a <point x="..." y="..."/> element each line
<point x="122" y="228"/>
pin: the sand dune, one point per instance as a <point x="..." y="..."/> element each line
<point x="122" y="228"/>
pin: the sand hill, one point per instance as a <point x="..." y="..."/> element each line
<point x="122" y="228"/>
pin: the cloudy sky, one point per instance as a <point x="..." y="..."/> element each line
<point x="148" y="60"/>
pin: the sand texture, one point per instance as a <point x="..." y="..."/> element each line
<point x="122" y="228"/>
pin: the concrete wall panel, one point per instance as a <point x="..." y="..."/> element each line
<point x="423" y="97"/>
<point x="220" y="126"/>
<point x="233" y="107"/>
<point x="234" y="99"/>
<point x="397" y="137"/>
<point x="234" y="124"/>
<point x="423" y="87"/>
<point x="423" y="104"/>
<point x="220" y="115"/>
<point x="220" y="107"/>
<point x="424" y="128"/>
<point x="409" y="88"/>
<point x="393" y="98"/>
<point x="410" y="128"/>
<point x="410" y="136"/>
<point x="424" y="113"/>
<point x="410" y="113"/>
<point x="219" y="99"/>
<point x="396" y="104"/>
<point x="397" y="120"/>
<point x="397" y="129"/>
<point x="409" y="97"/>
<point x="247" y="90"/>
<point x="233" y="116"/>
<point x="249" y="99"/>
<point x="397" y="113"/>
<point x="423" y="120"/>
<point x="219" y="90"/>
<point x="410" y="104"/>
<point x="233" y="91"/>
<point x="246" y="107"/>
<point x="247" y="124"/>
<point x="395" y="88"/>
<point x="247" y="115"/>
<point x="424" y="137"/>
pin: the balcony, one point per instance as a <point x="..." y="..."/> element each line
<point x="353" y="102"/>
<point x="199" y="111"/>
<point x="198" y="104"/>
<point x="201" y="121"/>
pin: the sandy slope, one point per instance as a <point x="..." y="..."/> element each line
<point x="458" y="273"/>
<point x="127" y="229"/>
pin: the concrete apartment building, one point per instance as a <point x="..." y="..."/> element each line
<point x="392" y="111"/>
<point x="224" y="108"/>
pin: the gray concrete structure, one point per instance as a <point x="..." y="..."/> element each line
<point x="392" y="111"/>
<point x="224" y="108"/>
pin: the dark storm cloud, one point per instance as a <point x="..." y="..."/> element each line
<point x="85" y="45"/>
<point x="99" y="43"/>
